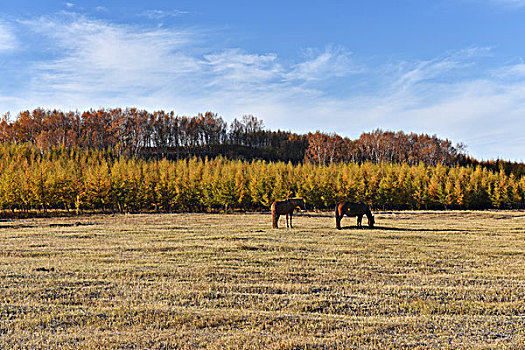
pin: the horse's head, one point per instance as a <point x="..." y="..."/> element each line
<point x="371" y="221"/>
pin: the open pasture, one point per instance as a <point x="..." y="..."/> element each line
<point x="416" y="280"/>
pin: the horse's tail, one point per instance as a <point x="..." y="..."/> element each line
<point x="338" y="216"/>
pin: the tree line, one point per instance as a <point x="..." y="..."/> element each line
<point x="75" y="179"/>
<point x="164" y="135"/>
<point x="381" y="146"/>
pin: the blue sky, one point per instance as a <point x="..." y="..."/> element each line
<point x="451" y="68"/>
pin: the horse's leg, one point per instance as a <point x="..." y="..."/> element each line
<point x="291" y="216"/>
<point x="359" y="220"/>
<point x="337" y="222"/>
<point x="337" y="218"/>
<point x="287" y="221"/>
<point x="275" y="218"/>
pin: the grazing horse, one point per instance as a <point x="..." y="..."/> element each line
<point x="286" y="207"/>
<point x="353" y="209"/>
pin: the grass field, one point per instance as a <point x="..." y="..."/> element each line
<point x="417" y="280"/>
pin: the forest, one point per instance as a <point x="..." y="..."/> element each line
<point x="138" y="133"/>
<point x="77" y="180"/>
<point x="130" y="160"/>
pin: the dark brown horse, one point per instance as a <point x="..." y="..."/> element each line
<point x="286" y="207"/>
<point x="353" y="209"/>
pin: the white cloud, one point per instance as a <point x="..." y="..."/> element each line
<point x="161" y="14"/>
<point x="333" y="62"/>
<point x="97" y="58"/>
<point x="100" y="63"/>
<point x="449" y="66"/>
<point x="235" y="69"/>
<point x="7" y="38"/>
<point x="512" y="72"/>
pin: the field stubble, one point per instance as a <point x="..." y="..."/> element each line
<point x="417" y="280"/>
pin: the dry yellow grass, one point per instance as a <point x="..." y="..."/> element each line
<point x="417" y="280"/>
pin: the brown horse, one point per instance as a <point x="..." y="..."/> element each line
<point x="286" y="207"/>
<point x="353" y="209"/>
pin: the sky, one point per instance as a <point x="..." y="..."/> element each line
<point x="453" y="68"/>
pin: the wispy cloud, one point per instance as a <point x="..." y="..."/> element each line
<point x="97" y="58"/>
<point x="98" y="62"/>
<point x="162" y="14"/>
<point x="236" y="69"/>
<point x="511" y="72"/>
<point x="451" y="67"/>
<point x="8" y="40"/>
<point x="330" y="63"/>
